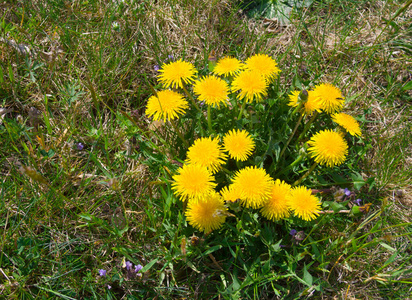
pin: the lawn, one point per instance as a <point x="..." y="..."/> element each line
<point x="91" y="202"/>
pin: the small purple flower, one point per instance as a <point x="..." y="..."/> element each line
<point x="201" y="103"/>
<point x="282" y="246"/>
<point x="102" y="272"/>
<point x="156" y="68"/>
<point x="347" y="192"/>
<point x="109" y="287"/>
<point x="358" y="201"/>
<point x="79" y="146"/>
<point x="138" y="268"/>
<point x="293" y="232"/>
<point x="170" y="56"/>
<point x="128" y="265"/>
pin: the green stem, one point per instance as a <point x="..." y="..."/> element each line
<point x="297" y="160"/>
<point x="209" y="120"/>
<point x="191" y="98"/>
<point x="291" y="136"/>
<point x="179" y="133"/>
<point x="306" y="174"/>
<point x="306" y="128"/>
<point x="241" y="110"/>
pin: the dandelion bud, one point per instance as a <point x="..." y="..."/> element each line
<point x="303" y="96"/>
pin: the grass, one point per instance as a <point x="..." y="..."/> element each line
<point x="68" y="211"/>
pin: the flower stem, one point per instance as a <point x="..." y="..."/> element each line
<point x="179" y="133"/>
<point x="241" y="110"/>
<point x="209" y="120"/>
<point x="297" y="160"/>
<point x="191" y="98"/>
<point x="306" y="128"/>
<point x="306" y="174"/>
<point x="291" y="136"/>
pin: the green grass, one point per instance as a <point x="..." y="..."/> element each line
<point x="95" y="208"/>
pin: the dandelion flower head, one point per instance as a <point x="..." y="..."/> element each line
<point x="167" y="105"/>
<point x="192" y="182"/>
<point x="254" y="184"/>
<point x="207" y="214"/>
<point x="177" y="73"/>
<point x="231" y="193"/>
<point x="311" y="105"/>
<point x="328" y="148"/>
<point x="348" y="123"/>
<point x="330" y="97"/>
<point x="264" y="64"/>
<point x="228" y="66"/>
<point x="239" y="144"/>
<point x="251" y="84"/>
<point x="207" y="152"/>
<point x="303" y="204"/>
<point x="212" y="90"/>
<point x="276" y="207"/>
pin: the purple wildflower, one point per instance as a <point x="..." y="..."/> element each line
<point x="79" y="146"/>
<point x="138" y="268"/>
<point x="170" y="56"/>
<point x="156" y="68"/>
<point x="347" y="192"/>
<point x="102" y="272"/>
<point x="109" y="287"/>
<point x="293" y="232"/>
<point x="358" y="201"/>
<point x="128" y="265"/>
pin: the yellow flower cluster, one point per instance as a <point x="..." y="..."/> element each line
<point x="251" y="186"/>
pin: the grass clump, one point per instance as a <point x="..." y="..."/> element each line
<point x="87" y="204"/>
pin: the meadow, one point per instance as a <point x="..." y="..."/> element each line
<point x="94" y="202"/>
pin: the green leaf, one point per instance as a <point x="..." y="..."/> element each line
<point x="407" y="86"/>
<point x="149" y="265"/>
<point x="358" y="181"/>
<point x="307" y="278"/>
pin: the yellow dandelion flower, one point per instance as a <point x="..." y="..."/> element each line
<point x="328" y="148"/>
<point x="251" y="84"/>
<point x="277" y="207"/>
<point x="167" y="105"/>
<point x="311" y="105"/>
<point x="254" y="184"/>
<point x="264" y="64"/>
<point x="330" y="97"/>
<point x="207" y="214"/>
<point x="348" y="123"/>
<point x="303" y="204"/>
<point x="239" y="144"/>
<point x="192" y="182"/>
<point x="231" y="193"/>
<point x="228" y="66"/>
<point x="177" y="73"/>
<point x="207" y="152"/>
<point x="212" y="90"/>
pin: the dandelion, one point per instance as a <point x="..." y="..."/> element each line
<point x="329" y="97"/>
<point x="192" y="182"/>
<point x="102" y="272"/>
<point x="348" y="123"/>
<point x="228" y="66"/>
<point x="328" y="148"/>
<point x="167" y="105"/>
<point x="276" y="207"/>
<point x="239" y="144"/>
<point x="177" y="73"/>
<point x="264" y="65"/>
<point x="254" y="184"/>
<point x="310" y="106"/>
<point x="304" y="205"/>
<point x="207" y="214"/>
<point x="212" y="90"/>
<point x="251" y="84"/>
<point x="208" y="153"/>
<point x="231" y="193"/>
